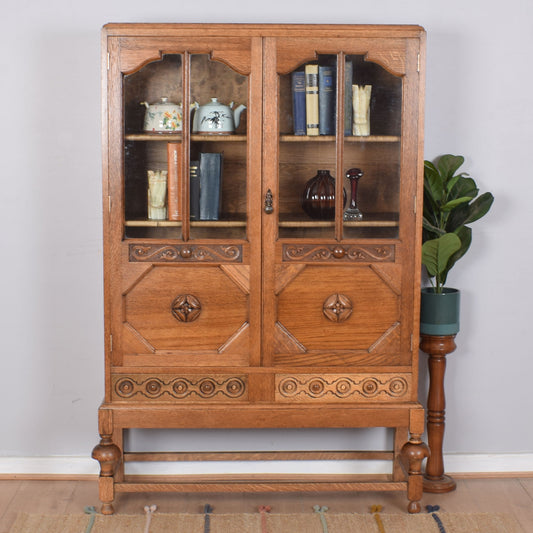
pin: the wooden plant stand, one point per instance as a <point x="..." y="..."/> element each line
<point x="437" y="347"/>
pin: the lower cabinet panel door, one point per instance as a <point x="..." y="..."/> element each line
<point x="186" y="309"/>
<point x="336" y="315"/>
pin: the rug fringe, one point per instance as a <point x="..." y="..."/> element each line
<point x="375" y="510"/>
<point x="207" y="518"/>
<point x="263" y="510"/>
<point x="90" y="510"/>
<point x="432" y="509"/>
<point x="149" y="510"/>
<point x="321" y="510"/>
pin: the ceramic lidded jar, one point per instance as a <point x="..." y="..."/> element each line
<point x="163" y="116"/>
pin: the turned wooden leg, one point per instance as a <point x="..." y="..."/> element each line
<point x="414" y="453"/>
<point x="109" y="456"/>
<point x="437" y="347"/>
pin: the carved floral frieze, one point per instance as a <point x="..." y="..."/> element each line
<point x="178" y="253"/>
<point x="352" y="253"/>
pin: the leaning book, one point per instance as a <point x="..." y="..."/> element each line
<point x="210" y="185"/>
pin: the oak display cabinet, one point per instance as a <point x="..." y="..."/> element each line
<point x="264" y="317"/>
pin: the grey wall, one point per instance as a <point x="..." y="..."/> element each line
<point x="479" y="81"/>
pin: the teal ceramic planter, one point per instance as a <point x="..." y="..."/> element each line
<point x="439" y="313"/>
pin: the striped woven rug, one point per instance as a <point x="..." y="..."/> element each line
<point x="318" y="520"/>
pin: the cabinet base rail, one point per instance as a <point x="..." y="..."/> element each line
<point x="257" y="484"/>
<point x="135" y="457"/>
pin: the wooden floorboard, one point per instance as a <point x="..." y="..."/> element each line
<point x="509" y="495"/>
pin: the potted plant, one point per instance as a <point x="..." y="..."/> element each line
<point x="451" y="202"/>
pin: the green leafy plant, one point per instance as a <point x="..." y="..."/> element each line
<point x="451" y="202"/>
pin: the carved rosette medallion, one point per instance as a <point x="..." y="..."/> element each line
<point x="153" y="388"/>
<point x="125" y="388"/>
<point x="337" y="307"/>
<point x="186" y="308"/>
<point x="356" y="387"/>
<point x="187" y="388"/>
<point x="185" y="253"/>
<point x="310" y="253"/>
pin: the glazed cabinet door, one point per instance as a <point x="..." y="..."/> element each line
<point x="339" y="266"/>
<point x="183" y="137"/>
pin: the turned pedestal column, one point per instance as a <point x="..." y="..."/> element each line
<point x="437" y="347"/>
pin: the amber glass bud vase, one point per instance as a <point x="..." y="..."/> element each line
<point x="319" y="196"/>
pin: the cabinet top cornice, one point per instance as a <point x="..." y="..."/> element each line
<point x="264" y="30"/>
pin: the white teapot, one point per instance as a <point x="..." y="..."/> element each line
<point x="164" y="116"/>
<point x="215" y="117"/>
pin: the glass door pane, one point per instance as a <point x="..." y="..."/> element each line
<point x="308" y="150"/>
<point x="152" y="129"/>
<point x="371" y="165"/>
<point x="218" y="150"/>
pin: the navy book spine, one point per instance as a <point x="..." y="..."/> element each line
<point x="326" y="100"/>
<point x="298" y="102"/>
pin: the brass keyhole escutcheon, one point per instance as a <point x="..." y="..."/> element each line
<point x="337" y="307"/>
<point x="186" y="308"/>
<point x="269" y="202"/>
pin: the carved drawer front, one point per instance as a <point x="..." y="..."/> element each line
<point x="333" y="314"/>
<point x="187" y="309"/>
<point x="180" y="388"/>
<point x="343" y="387"/>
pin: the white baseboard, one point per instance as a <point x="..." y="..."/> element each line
<point x="53" y="466"/>
<point x="85" y="466"/>
<point x="488" y="462"/>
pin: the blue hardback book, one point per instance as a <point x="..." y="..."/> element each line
<point x="210" y="185"/>
<point x="326" y="99"/>
<point x="298" y="102"/>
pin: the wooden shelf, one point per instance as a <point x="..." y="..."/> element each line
<point x="347" y="138"/>
<point x="372" y="220"/>
<point x="222" y="137"/>
<point x="193" y="223"/>
<point x="177" y="137"/>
